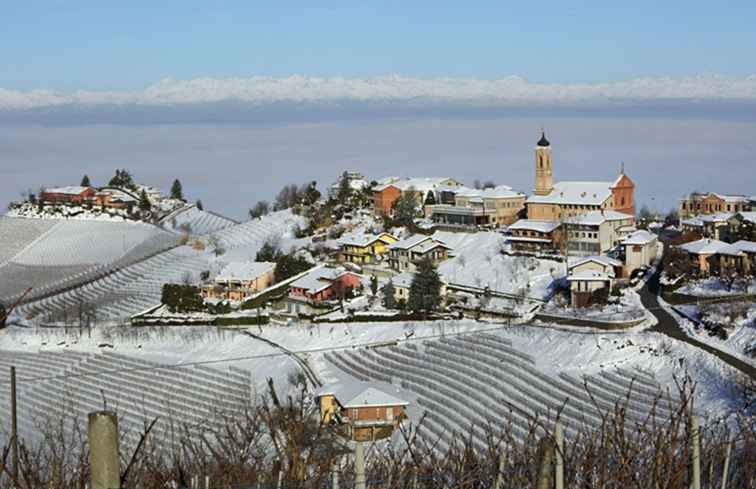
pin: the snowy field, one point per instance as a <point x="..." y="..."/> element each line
<point x="478" y="262"/>
<point x="741" y="331"/>
<point x="713" y="286"/>
<point x="442" y="366"/>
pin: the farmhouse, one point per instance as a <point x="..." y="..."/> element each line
<point x="554" y="201"/>
<point x="387" y="192"/>
<point x="70" y="195"/>
<point x="596" y="232"/>
<point x="531" y="235"/>
<point x="404" y="255"/>
<point x="367" y="410"/>
<point x="491" y="207"/>
<point x="239" y="280"/>
<point x="324" y="283"/>
<point x="640" y="249"/>
<point x="366" y="248"/>
<point x="711" y="256"/>
<point x="590" y="275"/>
<point x="697" y="203"/>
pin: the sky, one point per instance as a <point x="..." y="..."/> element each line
<point x="240" y="98"/>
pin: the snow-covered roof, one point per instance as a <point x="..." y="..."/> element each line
<point x="596" y="218"/>
<point x="719" y="217"/>
<point x="580" y="193"/>
<point x="708" y="246"/>
<point x="249" y="270"/>
<point x="419" y="184"/>
<point x="528" y="239"/>
<point x="428" y="246"/>
<point x="639" y="237"/>
<point x="589" y="276"/>
<point x="498" y="192"/>
<point x="410" y="242"/>
<point x="69" y="190"/>
<point x="534" y="225"/>
<point x="403" y="280"/>
<point x="363" y="394"/>
<point x="319" y="278"/>
<point x="732" y="198"/>
<point x="693" y="221"/>
<point x="746" y="246"/>
<point x="748" y="216"/>
<point x="601" y="259"/>
<point x="364" y="239"/>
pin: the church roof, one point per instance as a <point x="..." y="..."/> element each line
<point x="543" y="142"/>
<point x="586" y="193"/>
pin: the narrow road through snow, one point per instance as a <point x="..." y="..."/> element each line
<point x="668" y="325"/>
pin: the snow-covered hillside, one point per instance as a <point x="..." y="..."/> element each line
<point x="444" y="367"/>
<point x="197" y="222"/>
<point x="16" y="234"/>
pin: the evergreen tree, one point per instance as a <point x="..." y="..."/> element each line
<point x="425" y="291"/>
<point x="405" y="208"/>
<point x="199" y="205"/>
<point x="311" y="193"/>
<point x="259" y="210"/>
<point x="389" y="301"/>
<point x="85" y="181"/>
<point x="268" y="252"/>
<point x="430" y="199"/>
<point x="288" y="265"/>
<point x="344" y="189"/>
<point x="176" y="190"/>
<point x="144" y="202"/>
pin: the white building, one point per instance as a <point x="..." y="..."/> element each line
<point x="640" y="250"/>
<point x="596" y="232"/>
<point x="589" y="275"/>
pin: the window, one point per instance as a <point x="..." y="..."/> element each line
<point x="390" y="413"/>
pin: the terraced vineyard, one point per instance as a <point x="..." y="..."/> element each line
<point x="466" y="384"/>
<point x="138" y="390"/>
<point x="18" y="233"/>
<point x="257" y="231"/>
<point x="197" y="222"/>
<point x="119" y="295"/>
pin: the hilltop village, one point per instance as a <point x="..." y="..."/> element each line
<point x="421" y="247"/>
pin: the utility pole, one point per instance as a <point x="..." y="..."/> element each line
<point x="103" y="450"/>
<point x="359" y="465"/>
<point x="14" y="426"/>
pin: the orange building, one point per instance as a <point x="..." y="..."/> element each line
<point x="384" y="199"/>
<point x="367" y="410"/>
<point x="72" y="195"/>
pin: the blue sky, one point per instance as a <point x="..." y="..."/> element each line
<point x="107" y="46"/>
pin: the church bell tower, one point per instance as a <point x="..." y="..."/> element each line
<point x="544" y="179"/>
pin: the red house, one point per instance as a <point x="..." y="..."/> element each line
<point x="72" y="195"/>
<point x="324" y="283"/>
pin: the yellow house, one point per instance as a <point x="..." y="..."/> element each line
<point x="366" y="248"/>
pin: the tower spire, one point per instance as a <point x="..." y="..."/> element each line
<point x="543" y="142"/>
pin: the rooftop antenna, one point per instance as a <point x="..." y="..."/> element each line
<point x="622" y="167"/>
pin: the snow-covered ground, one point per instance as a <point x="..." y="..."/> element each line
<point x="572" y="354"/>
<point x="478" y="262"/>
<point x="741" y="330"/>
<point x="194" y="221"/>
<point x="713" y="286"/>
<point x="69" y="212"/>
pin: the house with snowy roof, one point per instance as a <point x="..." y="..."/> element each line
<point x="596" y="232"/>
<point x="711" y="256"/>
<point x="402" y="283"/>
<point x="364" y="248"/>
<point x="536" y="236"/>
<point x="640" y="249"/>
<point x="555" y="201"/>
<point x="68" y="195"/>
<point x="239" y="280"/>
<point x="490" y="207"/>
<point x="404" y="255"/>
<point x="366" y="410"/>
<point x="749" y="249"/>
<point x="388" y="191"/>
<point x="589" y="275"/>
<point x="703" y="203"/>
<point x="324" y="283"/>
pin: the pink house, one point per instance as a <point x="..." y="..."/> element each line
<point x="324" y="283"/>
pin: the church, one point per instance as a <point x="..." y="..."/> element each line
<point x="557" y="201"/>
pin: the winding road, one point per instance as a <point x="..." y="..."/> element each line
<point x="668" y="325"/>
